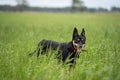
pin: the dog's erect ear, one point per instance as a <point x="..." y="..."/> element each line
<point x="83" y="32"/>
<point x="75" y="32"/>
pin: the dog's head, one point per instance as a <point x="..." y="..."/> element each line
<point x="78" y="40"/>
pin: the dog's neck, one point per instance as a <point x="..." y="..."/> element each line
<point x="72" y="48"/>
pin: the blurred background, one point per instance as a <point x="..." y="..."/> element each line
<point x="60" y="5"/>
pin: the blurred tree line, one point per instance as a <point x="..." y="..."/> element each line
<point x="77" y="6"/>
<point x="21" y="4"/>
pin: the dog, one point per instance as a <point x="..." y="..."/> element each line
<point x="67" y="52"/>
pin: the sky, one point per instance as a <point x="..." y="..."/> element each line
<point x="66" y="3"/>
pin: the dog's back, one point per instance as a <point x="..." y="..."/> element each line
<point x="47" y="44"/>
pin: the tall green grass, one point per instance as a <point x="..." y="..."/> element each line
<point x="20" y="33"/>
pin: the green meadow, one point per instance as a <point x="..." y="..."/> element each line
<point x="21" y="32"/>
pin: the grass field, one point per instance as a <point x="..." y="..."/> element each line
<point x="20" y="33"/>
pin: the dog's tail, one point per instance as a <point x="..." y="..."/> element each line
<point x="30" y="54"/>
<point x="37" y="50"/>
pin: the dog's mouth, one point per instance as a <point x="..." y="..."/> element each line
<point x="78" y="48"/>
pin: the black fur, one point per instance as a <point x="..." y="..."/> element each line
<point x="66" y="51"/>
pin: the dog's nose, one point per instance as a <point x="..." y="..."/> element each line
<point x="80" y="46"/>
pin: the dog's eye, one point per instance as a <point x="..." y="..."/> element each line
<point x="78" y="39"/>
<point x="82" y="39"/>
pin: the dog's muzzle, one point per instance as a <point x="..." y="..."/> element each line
<point x="78" y="47"/>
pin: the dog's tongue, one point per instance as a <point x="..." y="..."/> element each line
<point x="79" y="50"/>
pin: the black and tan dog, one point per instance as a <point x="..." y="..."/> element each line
<point x="70" y="50"/>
